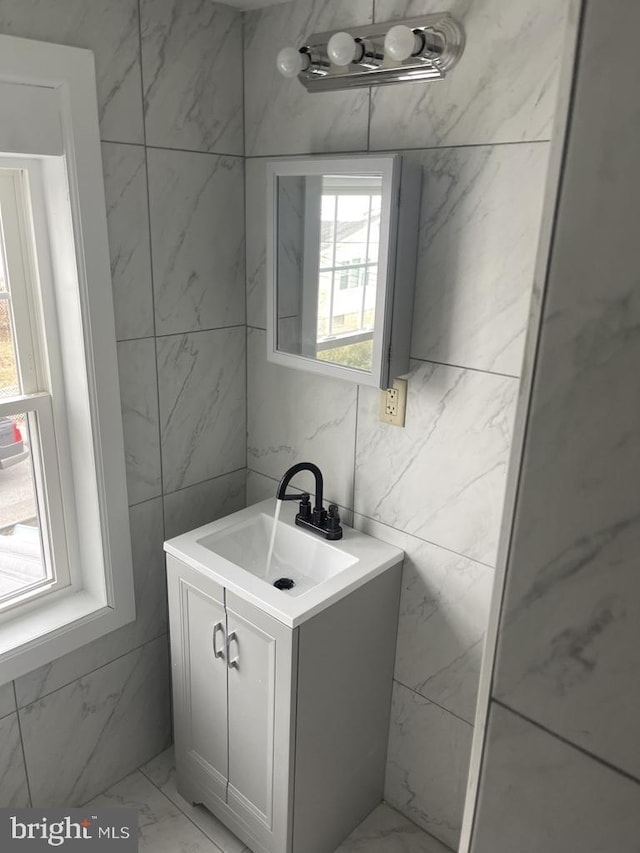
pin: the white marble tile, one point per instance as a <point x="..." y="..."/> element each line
<point x="192" y="75"/>
<point x="14" y="792"/>
<point x="569" y="653"/>
<point x="82" y="738"/>
<point x="147" y="537"/>
<point x="290" y="334"/>
<point x="281" y="117"/>
<point x="202" y="405"/>
<point x="387" y="831"/>
<point x="162" y="827"/>
<point x="444" y="608"/>
<point x="197" y="505"/>
<point x="427" y="764"/>
<point x="477" y="246"/>
<point x="139" y="401"/>
<point x="256" y="237"/>
<point x="294" y="416"/>
<point x="125" y="185"/>
<point x="503" y="89"/>
<point x="151" y="612"/>
<point x="7" y="699"/>
<point x="161" y="771"/>
<point x="110" y="30"/>
<point x="260" y="487"/>
<point x="197" y="238"/>
<point x="539" y="794"/>
<point x="442" y="476"/>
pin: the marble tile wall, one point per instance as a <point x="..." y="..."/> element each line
<point x="442" y="477"/>
<point x="427" y="763"/>
<point x="14" y="790"/>
<point x="115" y="716"/>
<point x="542" y="793"/>
<point x="172" y="131"/>
<point x="504" y="87"/>
<point x="436" y="487"/>
<point x="563" y="745"/>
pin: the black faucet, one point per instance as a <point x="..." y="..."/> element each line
<point x="318" y="520"/>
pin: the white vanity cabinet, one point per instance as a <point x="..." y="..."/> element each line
<point x="282" y="731"/>
<point x="233" y="669"/>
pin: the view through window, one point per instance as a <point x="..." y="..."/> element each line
<point x="22" y="562"/>
<point x="348" y="270"/>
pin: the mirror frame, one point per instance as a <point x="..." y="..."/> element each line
<point x="393" y="304"/>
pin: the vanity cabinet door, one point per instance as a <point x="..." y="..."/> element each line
<point x="262" y="655"/>
<point x="199" y="662"/>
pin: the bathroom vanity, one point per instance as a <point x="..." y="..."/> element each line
<point x="282" y="697"/>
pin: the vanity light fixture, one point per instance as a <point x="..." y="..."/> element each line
<point x="423" y="48"/>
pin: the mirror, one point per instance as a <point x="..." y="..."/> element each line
<point x="327" y="266"/>
<point x="332" y="264"/>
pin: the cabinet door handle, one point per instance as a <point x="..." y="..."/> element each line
<point x="233" y="663"/>
<point x="218" y="653"/>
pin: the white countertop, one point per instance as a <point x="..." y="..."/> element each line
<point x="371" y="558"/>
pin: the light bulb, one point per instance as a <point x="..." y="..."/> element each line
<point x="343" y="49"/>
<point x="401" y="42"/>
<point x="291" y="62"/>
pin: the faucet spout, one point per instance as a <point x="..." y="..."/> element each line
<point x="318" y="521"/>
<point x="291" y="473"/>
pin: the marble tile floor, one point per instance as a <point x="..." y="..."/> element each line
<point x="168" y="824"/>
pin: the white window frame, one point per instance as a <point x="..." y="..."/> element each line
<point x="49" y="131"/>
<point x="25" y="298"/>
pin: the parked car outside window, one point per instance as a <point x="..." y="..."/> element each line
<point x="12" y="446"/>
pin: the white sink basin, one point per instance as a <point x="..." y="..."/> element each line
<point x="234" y="551"/>
<point x="297" y="555"/>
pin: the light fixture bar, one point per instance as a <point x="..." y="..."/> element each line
<point x="432" y="43"/>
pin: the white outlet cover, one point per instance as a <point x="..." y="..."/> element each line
<point x="246" y="5"/>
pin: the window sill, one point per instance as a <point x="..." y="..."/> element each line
<point x="55" y="628"/>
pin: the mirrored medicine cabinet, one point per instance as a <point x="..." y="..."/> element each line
<point x="341" y="253"/>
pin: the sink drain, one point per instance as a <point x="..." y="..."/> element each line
<point x="284" y="583"/>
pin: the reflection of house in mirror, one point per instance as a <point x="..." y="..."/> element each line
<point x="328" y="239"/>
<point x="348" y="268"/>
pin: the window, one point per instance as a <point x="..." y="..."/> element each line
<point x="33" y="553"/>
<point x="65" y="553"/>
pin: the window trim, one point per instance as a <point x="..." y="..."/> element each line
<point x="35" y="391"/>
<point x="68" y="149"/>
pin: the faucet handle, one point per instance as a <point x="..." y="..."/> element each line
<point x="305" y="505"/>
<point x="333" y="522"/>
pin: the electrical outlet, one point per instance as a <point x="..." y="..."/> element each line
<point x="393" y="403"/>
